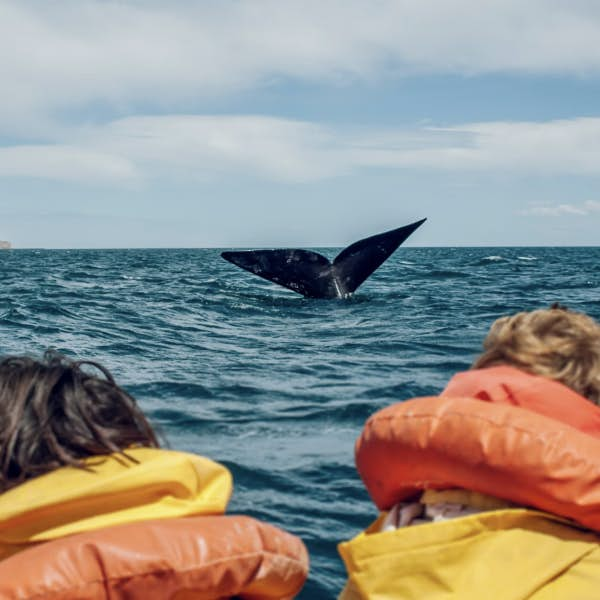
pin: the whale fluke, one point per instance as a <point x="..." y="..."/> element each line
<point x="313" y="275"/>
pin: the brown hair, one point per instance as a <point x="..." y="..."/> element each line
<point x="54" y="413"/>
<point x="557" y="343"/>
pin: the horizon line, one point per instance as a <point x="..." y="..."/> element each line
<point x="299" y="246"/>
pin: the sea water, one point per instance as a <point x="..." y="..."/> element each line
<point x="273" y="385"/>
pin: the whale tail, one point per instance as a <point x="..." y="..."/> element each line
<point x="313" y="275"/>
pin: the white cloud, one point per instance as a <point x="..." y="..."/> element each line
<point x="189" y="147"/>
<point x="270" y="148"/>
<point x="69" y="53"/>
<point x="65" y="163"/>
<point x="562" y="146"/>
<point x="559" y="210"/>
<point x="591" y="206"/>
<point x="287" y="150"/>
<point x="553" y="211"/>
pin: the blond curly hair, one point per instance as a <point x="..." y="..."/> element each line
<point x="557" y="343"/>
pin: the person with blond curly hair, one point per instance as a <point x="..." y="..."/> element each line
<point x="556" y="343"/>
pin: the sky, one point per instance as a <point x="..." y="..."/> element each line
<point x="262" y="123"/>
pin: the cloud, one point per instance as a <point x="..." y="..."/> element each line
<point x="213" y="146"/>
<point x="209" y="146"/>
<point x="592" y="206"/>
<point x="188" y="147"/>
<point x="554" y="211"/>
<point x="561" y="146"/>
<point x="558" y="210"/>
<point x="120" y="55"/>
<point x="65" y="163"/>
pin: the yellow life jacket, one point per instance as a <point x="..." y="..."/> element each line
<point x="514" y="554"/>
<point x="161" y="484"/>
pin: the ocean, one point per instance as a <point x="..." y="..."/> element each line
<point x="273" y="385"/>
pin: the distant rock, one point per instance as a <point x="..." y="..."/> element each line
<point x="4" y="245"/>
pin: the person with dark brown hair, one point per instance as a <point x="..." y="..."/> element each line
<point x="56" y="412"/>
<point x="91" y="506"/>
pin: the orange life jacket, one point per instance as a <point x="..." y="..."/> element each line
<point x="508" y="385"/>
<point x="532" y="441"/>
<point x="188" y="558"/>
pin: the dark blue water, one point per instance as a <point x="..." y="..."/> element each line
<point x="273" y="385"/>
